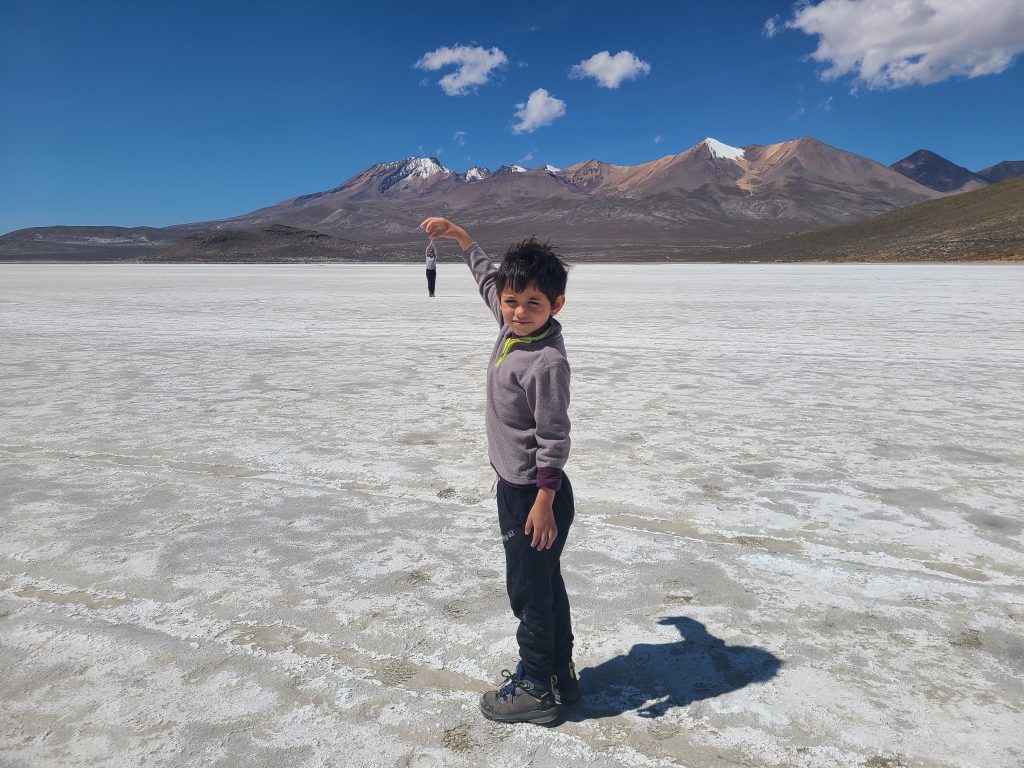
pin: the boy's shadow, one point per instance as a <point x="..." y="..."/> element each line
<point x="700" y="666"/>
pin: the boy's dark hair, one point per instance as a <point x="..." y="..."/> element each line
<point x="532" y="263"/>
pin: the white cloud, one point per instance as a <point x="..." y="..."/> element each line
<point x="888" y="44"/>
<point x="526" y="158"/>
<point x="459" y="137"/>
<point x="610" y="71"/>
<point x="474" y="66"/>
<point x="771" y="27"/>
<point x="657" y="139"/>
<point x="539" y="110"/>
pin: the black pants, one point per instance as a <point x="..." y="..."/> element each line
<point x="534" y="580"/>
<point x="431" y="280"/>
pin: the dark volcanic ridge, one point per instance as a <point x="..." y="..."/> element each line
<point x="68" y="243"/>
<point x="276" y="243"/>
<point x="934" y="171"/>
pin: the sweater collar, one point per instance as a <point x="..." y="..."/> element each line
<point x="552" y="328"/>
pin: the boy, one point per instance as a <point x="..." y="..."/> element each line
<point x="528" y="444"/>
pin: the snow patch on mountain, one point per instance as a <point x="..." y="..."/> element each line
<point x="724" y="151"/>
<point x="476" y="173"/>
<point x="517" y="169"/>
<point x="550" y="168"/>
<point x="418" y="167"/>
<point x="411" y="168"/>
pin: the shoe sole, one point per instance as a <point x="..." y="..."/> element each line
<point x="539" y="717"/>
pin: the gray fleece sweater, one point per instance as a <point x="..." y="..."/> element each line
<point x="527" y="394"/>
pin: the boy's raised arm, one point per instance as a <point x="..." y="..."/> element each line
<point x="479" y="263"/>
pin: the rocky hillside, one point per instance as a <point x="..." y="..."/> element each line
<point x="983" y="225"/>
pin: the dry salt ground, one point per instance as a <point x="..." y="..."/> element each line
<point x="247" y="518"/>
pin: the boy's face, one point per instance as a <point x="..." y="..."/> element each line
<point x="528" y="311"/>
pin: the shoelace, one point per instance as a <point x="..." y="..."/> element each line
<point x="511" y="683"/>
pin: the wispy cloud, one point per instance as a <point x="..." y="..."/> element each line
<point x="526" y="158"/>
<point x="475" y="65"/>
<point x="459" y="137"/>
<point x="657" y="139"/>
<point x="537" y="111"/>
<point x="610" y="71"/>
<point x="771" y="27"/>
<point x="887" y="45"/>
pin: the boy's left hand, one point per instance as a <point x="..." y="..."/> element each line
<point x="541" y="523"/>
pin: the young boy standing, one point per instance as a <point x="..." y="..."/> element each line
<point x="528" y="444"/>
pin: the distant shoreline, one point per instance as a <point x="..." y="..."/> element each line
<point x="631" y="262"/>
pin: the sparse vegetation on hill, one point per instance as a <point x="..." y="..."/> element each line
<point x="984" y="225"/>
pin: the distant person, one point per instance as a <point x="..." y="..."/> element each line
<point x="528" y="445"/>
<point x="431" y="268"/>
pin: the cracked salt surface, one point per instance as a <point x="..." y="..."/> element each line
<point x="248" y="518"/>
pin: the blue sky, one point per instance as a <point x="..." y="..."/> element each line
<point x="133" y="113"/>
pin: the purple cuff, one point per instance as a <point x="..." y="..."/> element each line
<point x="549" y="477"/>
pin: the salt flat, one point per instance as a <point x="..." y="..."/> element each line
<point x="247" y="518"/>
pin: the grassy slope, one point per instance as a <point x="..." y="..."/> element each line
<point x="984" y="225"/>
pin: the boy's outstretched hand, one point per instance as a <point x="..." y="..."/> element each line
<point x="437" y="226"/>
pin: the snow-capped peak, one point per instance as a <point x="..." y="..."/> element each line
<point x="420" y="167"/>
<point x="724" y="151"/>
<point x="550" y="168"/>
<point x="399" y="171"/>
<point x="476" y="173"/>
<point x="517" y="168"/>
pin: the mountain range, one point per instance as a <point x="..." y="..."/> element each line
<point x="932" y="170"/>
<point x="709" y="197"/>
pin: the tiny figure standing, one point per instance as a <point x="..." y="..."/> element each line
<point x="431" y="267"/>
<point x="528" y="444"/>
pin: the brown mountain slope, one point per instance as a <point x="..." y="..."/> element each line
<point x="697" y="198"/>
<point x="983" y="225"/>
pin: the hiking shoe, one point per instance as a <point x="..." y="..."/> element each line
<point x="565" y="684"/>
<point x="520" y="700"/>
